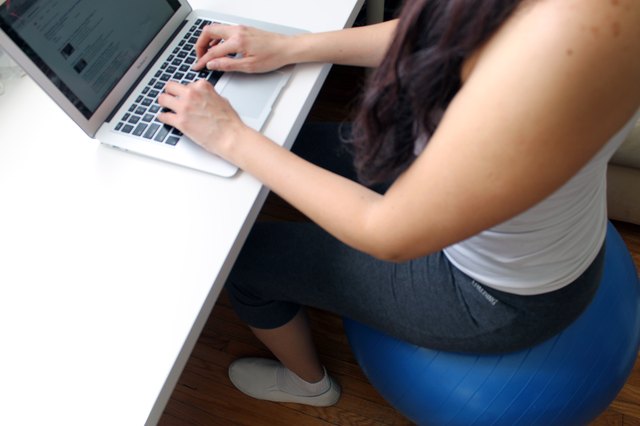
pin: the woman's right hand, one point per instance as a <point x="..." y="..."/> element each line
<point x="240" y="48"/>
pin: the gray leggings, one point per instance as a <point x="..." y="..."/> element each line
<point x="426" y="301"/>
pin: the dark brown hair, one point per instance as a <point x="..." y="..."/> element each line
<point x="420" y="75"/>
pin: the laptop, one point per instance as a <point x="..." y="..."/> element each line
<point x="105" y="62"/>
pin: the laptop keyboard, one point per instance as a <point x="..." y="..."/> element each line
<point x="141" y="117"/>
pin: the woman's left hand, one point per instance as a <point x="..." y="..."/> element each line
<point x="201" y="114"/>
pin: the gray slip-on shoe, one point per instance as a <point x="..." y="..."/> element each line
<point x="257" y="377"/>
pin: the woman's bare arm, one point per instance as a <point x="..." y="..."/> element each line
<point x="263" y="51"/>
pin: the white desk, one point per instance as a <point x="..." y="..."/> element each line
<point x="110" y="263"/>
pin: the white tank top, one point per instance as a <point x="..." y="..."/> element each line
<point x="551" y="244"/>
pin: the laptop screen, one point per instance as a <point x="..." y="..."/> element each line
<point x="84" y="46"/>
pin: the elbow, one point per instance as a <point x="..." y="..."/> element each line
<point x="388" y="253"/>
<point x="397" y="248"/>
<point x="392" y="258"/>
<point x="383" y="242"/>
<point x="388" y="240"/>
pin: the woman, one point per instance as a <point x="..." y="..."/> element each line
<point x="491" y="123"/>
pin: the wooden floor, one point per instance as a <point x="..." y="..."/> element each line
<point x="204" y="395"/>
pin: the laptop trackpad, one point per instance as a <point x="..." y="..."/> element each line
<point x="252" y="95"/>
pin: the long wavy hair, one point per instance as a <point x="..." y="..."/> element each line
<point x="405" y="97"/>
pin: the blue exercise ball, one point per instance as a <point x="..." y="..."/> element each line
<point x="569" y="379"/>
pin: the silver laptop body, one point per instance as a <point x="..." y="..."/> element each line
<point x="95" y="59"/>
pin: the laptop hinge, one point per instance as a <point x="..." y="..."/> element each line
<point x="146" y="70"/>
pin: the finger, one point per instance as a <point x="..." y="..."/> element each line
<point x="229" y="64"/>
<point x="203" y="86"/>
<point x="220" y="50"/>
<point x="204" y="40"/>
<point x="169" y="118"/>
<point x="203" y="44"/>
<point x="168" y="101"/>
<point x="174" y="88"/>
<point x="211" y="34"/>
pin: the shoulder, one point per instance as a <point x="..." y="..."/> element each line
<point x="603" y="32"/>
<point x="574" y="30"/>
<point x="564" y="28"/>
<point x="569" y="54"/>
<point x="594" y="23"/>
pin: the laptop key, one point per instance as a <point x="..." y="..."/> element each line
<point x="172" y="140"/>
<point x="127" y="128"/>
<point x="153" y="128"/>
<point x="162" y="134"/>
<point x="214" y="77"/>
<point x="140" y="129"/>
